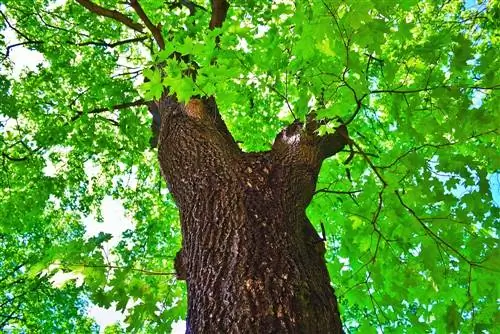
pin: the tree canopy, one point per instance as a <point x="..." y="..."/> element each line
<point x="407" y="211"/>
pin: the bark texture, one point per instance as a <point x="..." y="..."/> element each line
<point x="252" y="261"/>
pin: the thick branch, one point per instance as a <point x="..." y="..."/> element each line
<point x="331" y="144"/>
<point x="155" y="30"/>
<point x="219" y="12"/>
<point x="112" y="14"/>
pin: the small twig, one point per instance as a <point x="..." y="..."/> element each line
<point x="340" y="192"/>
<point x="323" y="232"/>
<point x="415" y="149"/>
<point x="136" y="103"/>
<point x="430" y="232"/>
<point x="144" y="271"/>
<point x="284" y="98"/>
<point x="5" y="155"/>
<point x="188" y="4"/>
<point x="425" y="89"/>
<point x="369" y="161"/>
<point x="111" y="45"/>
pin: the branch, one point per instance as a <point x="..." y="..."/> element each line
<point x="155" y="30"/>
<point x="331" y="144"/>
<point x="13" y="27"/>
<point x="358" y="105"/>
<point x="334" y="16"/>
<point x="284" y="97"/>
<point x="430" y="232"/>
<point x="26" y="147"/>
<point x="97" y="43"/>
<point x="111" y="45"/>
<point x="28" y="40"/>
<point x="5" y="155"/>
<point x="8" y="317"/>
<point x="339" y="192"/>
<point x="144" y="271"/>
<point x="8" y="49"/>
<point x="355" y="95"/>
<point x="369" y="161"/>
<point x="373" y="155"/>
<point x="219" y="12"/>
<point x="346" y="41"/>
<point x="188" y="4"/>
<point x="418" y="90"/>
<point x="415" y="149"/>
<point x="12" y="271"/>
<point x="125" y="105"/>
<point x="112" y="14"/>
<point x="376" y="307"/>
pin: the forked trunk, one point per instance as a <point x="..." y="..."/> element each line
<point x="252" y="261"/>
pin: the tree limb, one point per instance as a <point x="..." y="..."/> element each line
<point x="370" y="163"/>
<point x="155" y="30"/>
<point x="112" y="14"/>
<point x="333" y="143"/>
<point x="8" y="317"/>
<point x="125" y="105"/>
<point x="219" y="12"/>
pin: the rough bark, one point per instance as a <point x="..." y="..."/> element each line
<point x="252" y="261"/>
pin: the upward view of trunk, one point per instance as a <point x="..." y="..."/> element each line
<point x="252" y="261"/>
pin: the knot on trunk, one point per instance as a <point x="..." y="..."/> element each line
<point x="179" y="265"/>
<point x="195" y="108"/>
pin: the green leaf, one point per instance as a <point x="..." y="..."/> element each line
<point x="452" y="318"/>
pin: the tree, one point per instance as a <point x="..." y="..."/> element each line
<point x="372" y="122"/>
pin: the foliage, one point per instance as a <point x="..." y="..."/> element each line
<point x="410" y="219"/>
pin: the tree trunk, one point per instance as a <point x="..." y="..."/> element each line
<point x="252" y="261"/>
